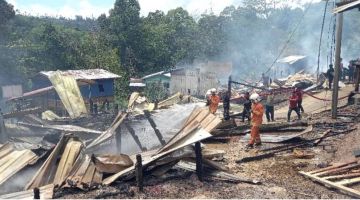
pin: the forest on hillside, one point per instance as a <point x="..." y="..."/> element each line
<point x="252" y="36"/>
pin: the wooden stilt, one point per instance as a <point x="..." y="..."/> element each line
<point x="199" y="165"/>
<point x="139" y="172"/>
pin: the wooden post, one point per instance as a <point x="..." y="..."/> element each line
<point x="357" y="76"/>
<point x="199" y="166"/>
<point x="3" y="135"/>
<point x="139" y="173"/>
<point x="339" y="26"/>
<point x="226" y="101"/>
<point x="118" y="139"/>
<point x="36" y="193"/>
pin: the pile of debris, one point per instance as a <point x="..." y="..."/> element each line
<point x="300" y="79"/>
<point x="64" y="156"/>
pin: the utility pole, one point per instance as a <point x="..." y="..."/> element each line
<point x="339" y="27"/>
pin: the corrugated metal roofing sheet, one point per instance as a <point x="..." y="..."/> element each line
<point x="196" y="128"/>
<point x="84" y="174"/>
<point x="85" y="74"/>
<point x="291" y="59"/>
<point x="53" y="170"/>
<point x="12" y="161"/>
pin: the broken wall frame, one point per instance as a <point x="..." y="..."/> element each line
<point x="338" y="177"/>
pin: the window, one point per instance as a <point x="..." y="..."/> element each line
<point x="101" y="88"/>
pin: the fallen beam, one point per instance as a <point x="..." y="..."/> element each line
<point x="215" y="174"/>
<point x="275" y="150"/>
<point x="136" y="138"/>
<point x="153" y="125"/>
<point x="22" y="113"/>
<point x="344" y="189"/>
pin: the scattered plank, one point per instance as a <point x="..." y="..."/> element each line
<point x="321" y="176"/>
<point x="316" y="142"/>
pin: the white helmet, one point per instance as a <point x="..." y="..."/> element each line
<point x="213" y="90"/>
<point x="255" y="97"/>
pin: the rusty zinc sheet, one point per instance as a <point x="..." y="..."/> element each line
<point x="54" y="171"/>
<point x="112" y="163"/>
<point x="200" y="117"/>
<point x="69" y="93"/>
<point x="46" y="192"/>
<point x="84" y="174"/>
<point x="12" y="161"/>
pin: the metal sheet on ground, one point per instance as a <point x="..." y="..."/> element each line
<point x="277" y="138"/>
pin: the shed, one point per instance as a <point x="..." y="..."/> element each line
<point x="158" y="77"/>
<point x="97" y="84"/>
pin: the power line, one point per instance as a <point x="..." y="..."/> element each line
<point x="290" y="37"/>
<point x="321" y="35"/>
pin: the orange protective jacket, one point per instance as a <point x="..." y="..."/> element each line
<point x="214" y="103"/>
<point x="257" y="114"/>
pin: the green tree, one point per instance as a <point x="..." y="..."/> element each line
<point x="6" y="12"/>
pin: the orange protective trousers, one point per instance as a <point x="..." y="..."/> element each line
<point x="255" y="135"/>
<point x="256" y="121"/>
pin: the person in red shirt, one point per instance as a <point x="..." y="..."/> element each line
<point x="299" y="94"/>
<point x="293" y="105"/>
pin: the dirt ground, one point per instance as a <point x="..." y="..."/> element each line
<point x="278" y="175"/>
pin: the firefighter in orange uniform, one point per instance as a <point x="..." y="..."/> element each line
<point x="213" y="101"/>
<point x="257" y="111"/>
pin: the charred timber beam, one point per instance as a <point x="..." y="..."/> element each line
<point x="36" y="193"/>
<point x="247" y="85"/>
<point x="153" y="125"/>
<point x="275" y="127"/>
<point x="22" y="113"/>
<point x="199" y="164"/>
<point x="133" y="134"/>
<point x="139" y="173"/>
<point x="275" y="150"/>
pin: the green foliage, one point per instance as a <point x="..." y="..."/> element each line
<point x="6" y="12"/>
<point x="155" y="91"/>
<point x="251" y="36"/>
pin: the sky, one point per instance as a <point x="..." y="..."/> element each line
<point x="94" y="8"/>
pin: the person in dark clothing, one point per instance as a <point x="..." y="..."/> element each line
<point x="299" y="94"/>
<point x="351" y="71"/>
<point x="293" y="106"/>
<point x="330" y="75"/>
<point x="350" y="100"/>
<point x="247" y="107"/>
<point x="269" y="107"/>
